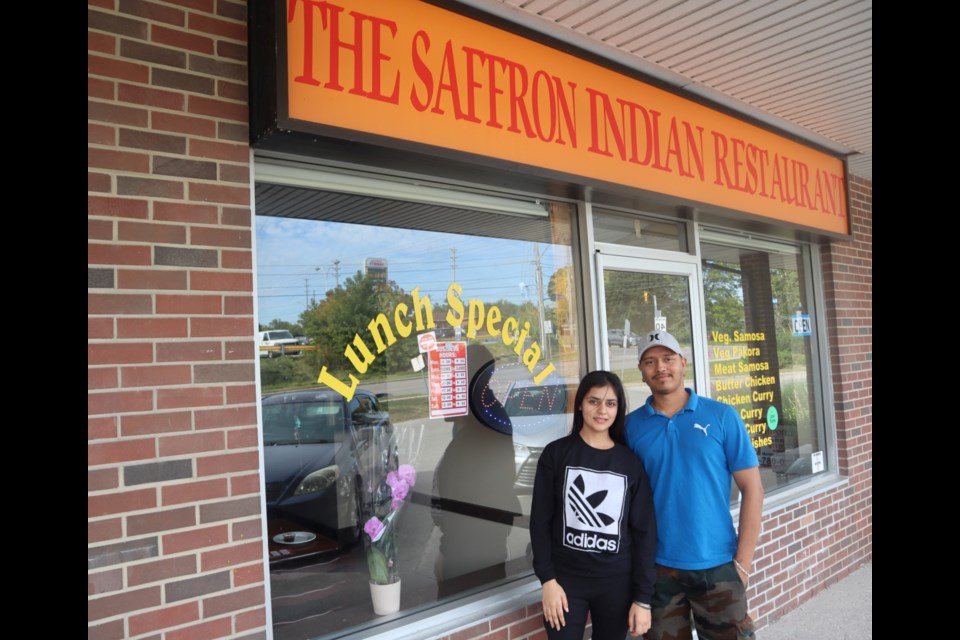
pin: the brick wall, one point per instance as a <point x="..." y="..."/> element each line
<point x="174" y="528"/>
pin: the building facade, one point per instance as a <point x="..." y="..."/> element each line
<point x="224" y="198"/>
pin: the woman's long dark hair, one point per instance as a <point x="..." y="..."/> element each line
<point x="596" y="379"/>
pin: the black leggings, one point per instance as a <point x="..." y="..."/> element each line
<point x="608" y="601"/>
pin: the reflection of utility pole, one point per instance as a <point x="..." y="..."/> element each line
<point x="453" y="262"/>
<point x="336" y="272"/>
<point x="544" y="342"/>
<point x="306" y="292"/>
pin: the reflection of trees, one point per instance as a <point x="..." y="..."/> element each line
<point x="723" y="297"/>
<point x="277" y="323"/>
<point x="560" y="289"/>
<point x="332" y="323"/>
<point x="624" y="292"/>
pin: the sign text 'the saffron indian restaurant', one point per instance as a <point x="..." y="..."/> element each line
<point x="409" y="70"/>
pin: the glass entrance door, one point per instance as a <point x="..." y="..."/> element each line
<point x="641" y="295"/>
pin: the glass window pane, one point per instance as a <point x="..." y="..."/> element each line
<point x="636" y="231"/>
<point x="759" y="362"/>
<point x="469" y="415"/>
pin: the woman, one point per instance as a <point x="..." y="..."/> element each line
<point x="592" y="524"/>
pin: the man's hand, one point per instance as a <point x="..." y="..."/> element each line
<point x="639" y="620"/>
<point x="554" y="604"/>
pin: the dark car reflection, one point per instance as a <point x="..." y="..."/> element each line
<point x="312" y="452"/>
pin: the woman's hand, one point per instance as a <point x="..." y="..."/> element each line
<point x="554" y="604"/>
<point x="639" y="620"/>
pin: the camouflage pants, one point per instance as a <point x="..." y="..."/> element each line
<point x="716" y="598"/>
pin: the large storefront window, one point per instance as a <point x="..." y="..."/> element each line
<point x="396" y="333"/>
<point x="760" y="351"/>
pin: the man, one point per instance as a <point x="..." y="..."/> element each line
<point x="691" y="446"/>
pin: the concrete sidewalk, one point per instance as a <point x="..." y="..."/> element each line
<point x="843" y="611"/>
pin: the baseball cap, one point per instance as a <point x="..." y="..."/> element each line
<point x="658" y="339"/>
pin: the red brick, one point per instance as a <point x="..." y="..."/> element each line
<point x="242" y="439"/>
<point x="115" y="303"/>
<point x="238" y="305"/>
<point x="235" y="554"/>
<point x="232" y="90"/>
<point x="192" y="397"/>
<point x="186" y="124"/>
<point x="156" y="423"/>
<point x="99" y="182"/>
<point x="111" y="402"/>
<point x="161" y="570"/>
<point x="118" y="160"/>
<point x="219" y="237"/>
<point x="195" y="539"/>
<point x="116" y="207"/>
<point x="246" y="620"/>
<point x="228" y="463"/>
<point x="150" y="97"/>
<point x="235" y="173"/>
<point x="223" y="326"/>
<point x="101" y="428"/>
<point x="242" y="350"/>
<point x="103" y="530"/>
<point x="101" y="42"/>
<point x="123" y="502"/>
<point x="101" y="134"/>
<point x="220" y="150"/>
<point x="118" y="353"/>
<point x="183" y="212"/>
<point x="117" y="254"/>
<point x="104" y="581"/>
<point x="189" y="304"/>
<point x="117" y="114"/>
<point x="204" y="6"/>
<point x="187" y="351"/>
<point x="241" y="395"/>
<point x="236" y="259"/>
<point x="222" y="28"/>
<point x="102" y="89"/>
<point x="220" y="372"/>
<point x="216" y="108"/>
<point x="130" y="231"/>
<point x="250" y="574"/>
<point x="153" y="11"/>
<point x="151" y="327"/>
<point x="220" y="281"/>
<point x="244" y="485"/>
<point x="101" y="378"/>
<point x="225" y="418"/>
<point x="118" y="69"/>
<point x="99" y="229"/>
<point x="237" y="217"/>
<point x="191" y="443"/>
<point x="194" y="491"/>
<point x="202" y="192"/>
<point x="155" y="375"/>
<point x="125" y="602"/>
<point x="102" y="479"/>
<point x="219" y="628"/>
<point x="122" y="451"/>
<point x="151" y="279"/>
<point x="160" y="521"/>
<point x="167" y="617"/>
<point x="181" y="39"/>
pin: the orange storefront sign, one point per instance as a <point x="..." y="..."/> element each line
<point x="409" y="70"/>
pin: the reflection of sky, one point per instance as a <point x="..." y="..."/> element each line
<point x="295" y="263"/>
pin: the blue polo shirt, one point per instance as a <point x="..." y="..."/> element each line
<point x="690" y="459"/>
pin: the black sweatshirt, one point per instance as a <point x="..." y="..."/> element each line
<point x="592" y="515"/>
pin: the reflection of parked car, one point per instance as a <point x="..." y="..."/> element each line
<point x="539" y="414"/>
<point x="312" y="442"/>
<point x="615" y="338"/>
<point x="277" y="338"/>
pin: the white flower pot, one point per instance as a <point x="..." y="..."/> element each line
<point x="386" y="597"/>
